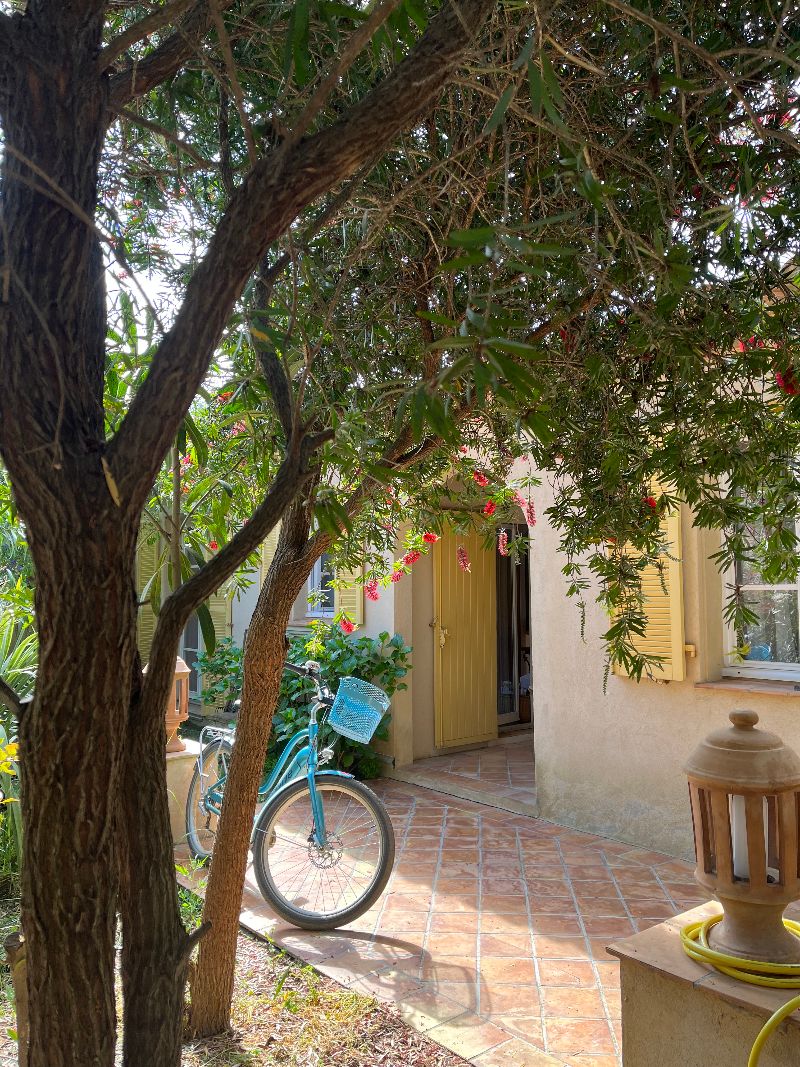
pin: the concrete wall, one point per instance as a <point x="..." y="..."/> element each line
<point x="611" y="762"/>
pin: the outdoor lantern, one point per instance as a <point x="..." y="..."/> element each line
<point x="744" y="785"/>
<point x="177" y="709"/>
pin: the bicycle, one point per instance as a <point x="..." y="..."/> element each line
<point x="322" y="842"/>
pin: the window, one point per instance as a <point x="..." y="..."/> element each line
<point x="772" y="643"/>
<point x="191" y="645"/>
<point x="322" y="595"/>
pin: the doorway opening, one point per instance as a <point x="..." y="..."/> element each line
<point x="514" y="696"/>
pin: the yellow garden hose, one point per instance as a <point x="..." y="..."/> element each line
<point x="775" y="975"/>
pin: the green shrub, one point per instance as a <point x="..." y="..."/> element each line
<point x="382" y="660"/>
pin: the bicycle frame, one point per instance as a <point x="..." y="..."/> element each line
<point x="292" y="763"/>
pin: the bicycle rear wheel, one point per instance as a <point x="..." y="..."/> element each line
<point x="202" y="815"/>
<point x="320" y="888"/>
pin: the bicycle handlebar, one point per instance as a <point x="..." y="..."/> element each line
<point x="310" y="669"/>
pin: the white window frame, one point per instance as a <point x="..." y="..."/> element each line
<point x="318" y="610"/>
<point x="756" y="668"/>
<point x="192" y="694"/>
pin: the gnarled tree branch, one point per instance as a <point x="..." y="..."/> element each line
<point x="275" y="192"/>
<point x="11" y="699"/>
<point x="143" y="28"/>
<point x="140" y="77"/>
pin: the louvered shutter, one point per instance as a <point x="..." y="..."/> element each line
<point x="268" y="549"/>
<point x="147" y="555"/>
<point x="664" y="609"/>
<point x="350" y="598"/>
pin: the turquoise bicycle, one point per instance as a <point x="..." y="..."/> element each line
<point x="322" y="842"/>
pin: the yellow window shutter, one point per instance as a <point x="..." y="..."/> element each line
<point x="147" y="556"/>
<point x="350" y="598"/>
<point x="269" y="547"/>
<point x="220" y="608"/>
<point x="664" y="610"/>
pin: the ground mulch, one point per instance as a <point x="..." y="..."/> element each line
<point x="285" y="1014"/>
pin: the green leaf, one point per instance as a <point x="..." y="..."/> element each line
<point x="207" y="628"/>
<point x="526" y="53"/>
<point x="481" y="235"/>
<point x="300" y="52"/>
<point x="200" y="446"/>
<point x="500" y="109"/>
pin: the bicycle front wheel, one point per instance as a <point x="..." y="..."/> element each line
<point x="320" y="888"/>
<point x="202" y="806"/>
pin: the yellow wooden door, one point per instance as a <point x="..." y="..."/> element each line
<point x="465" y="642"/>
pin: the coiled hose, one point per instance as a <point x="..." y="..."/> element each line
<point x="694" y="938"/>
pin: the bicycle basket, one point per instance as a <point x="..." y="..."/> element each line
<point x="357" y="709"/>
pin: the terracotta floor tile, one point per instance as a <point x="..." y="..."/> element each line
<point x="567" y="973"/>
<point x="529" y="1029"/>
<point x="552" y="947"/>
<point x="609" y="973"/>
<point x="515" y="1053"/>
<point x="468" y="1035"/>
<point x="501" y="970"/>
<point x="505" y="944"/>
<point x="556" y="924"/>
<point x="540" y="905"/>
<point x="400" y="922"/>
<point x="457" y="921"/>
<point x="509" y="1000"/>
<point x="563" y="1003"/>
<point x="568" y="1037"/>
<point x="449" y="969"/>
<point x="505" y="922"/>
<point x="500" y="904"/>
<point x="452" y="944"/>
<point x="597" y="926"/>
<point x="592" y="1061"/>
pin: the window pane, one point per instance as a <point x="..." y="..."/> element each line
<point x="325" y="602"/>
<point x="774" y="638"/>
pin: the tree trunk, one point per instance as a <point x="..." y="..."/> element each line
<point x="155" y="946"/>
<point x="264" y="656"/>
<point x="71" y="749"/>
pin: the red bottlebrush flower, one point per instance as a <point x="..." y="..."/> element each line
<point x="213" y="546"/>
<point x="502" y="542"/>
<point x="650" y="501"/>
<point x="411" y="557"/>
<point x="186" y="462"/>
<point x="371" y="590"/>
<point x="463" y="559"/>
<point x="463" y="448"/>
<point x="238" y="427"/>
<point x="430" y="538"/>
<point x="528" y="510"/>
<point x="481" y="479"/>
<point x="396" y="576"/>
<point x="489" y="508"/>
<point x="225" y="397"/>
<point x="787" y="382"/>
<point x="347" y="626"/>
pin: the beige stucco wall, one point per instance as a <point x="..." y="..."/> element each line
<point x="611" y="762"/>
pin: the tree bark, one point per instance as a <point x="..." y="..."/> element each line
<point x="264" y="656"/>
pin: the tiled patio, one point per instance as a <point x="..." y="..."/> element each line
<point x="500" y="774"/>
<point x="491" y="935"/>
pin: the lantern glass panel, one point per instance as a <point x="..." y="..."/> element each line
<point x="707" y="830"/>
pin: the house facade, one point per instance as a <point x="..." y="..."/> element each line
<point x="500" y="648"/>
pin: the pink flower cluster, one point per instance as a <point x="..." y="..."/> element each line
<point x="502" y="542"/>
<point x="489" y="508"/>
<point x="463" y="559"/>
<point x="411" y="557"/>
<point x="528" y="509"/>
<point x="371" y="589"/>
<point x="347" y="626"/>
<point x="480" y="478"/>
<point x="430" y="538"/>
